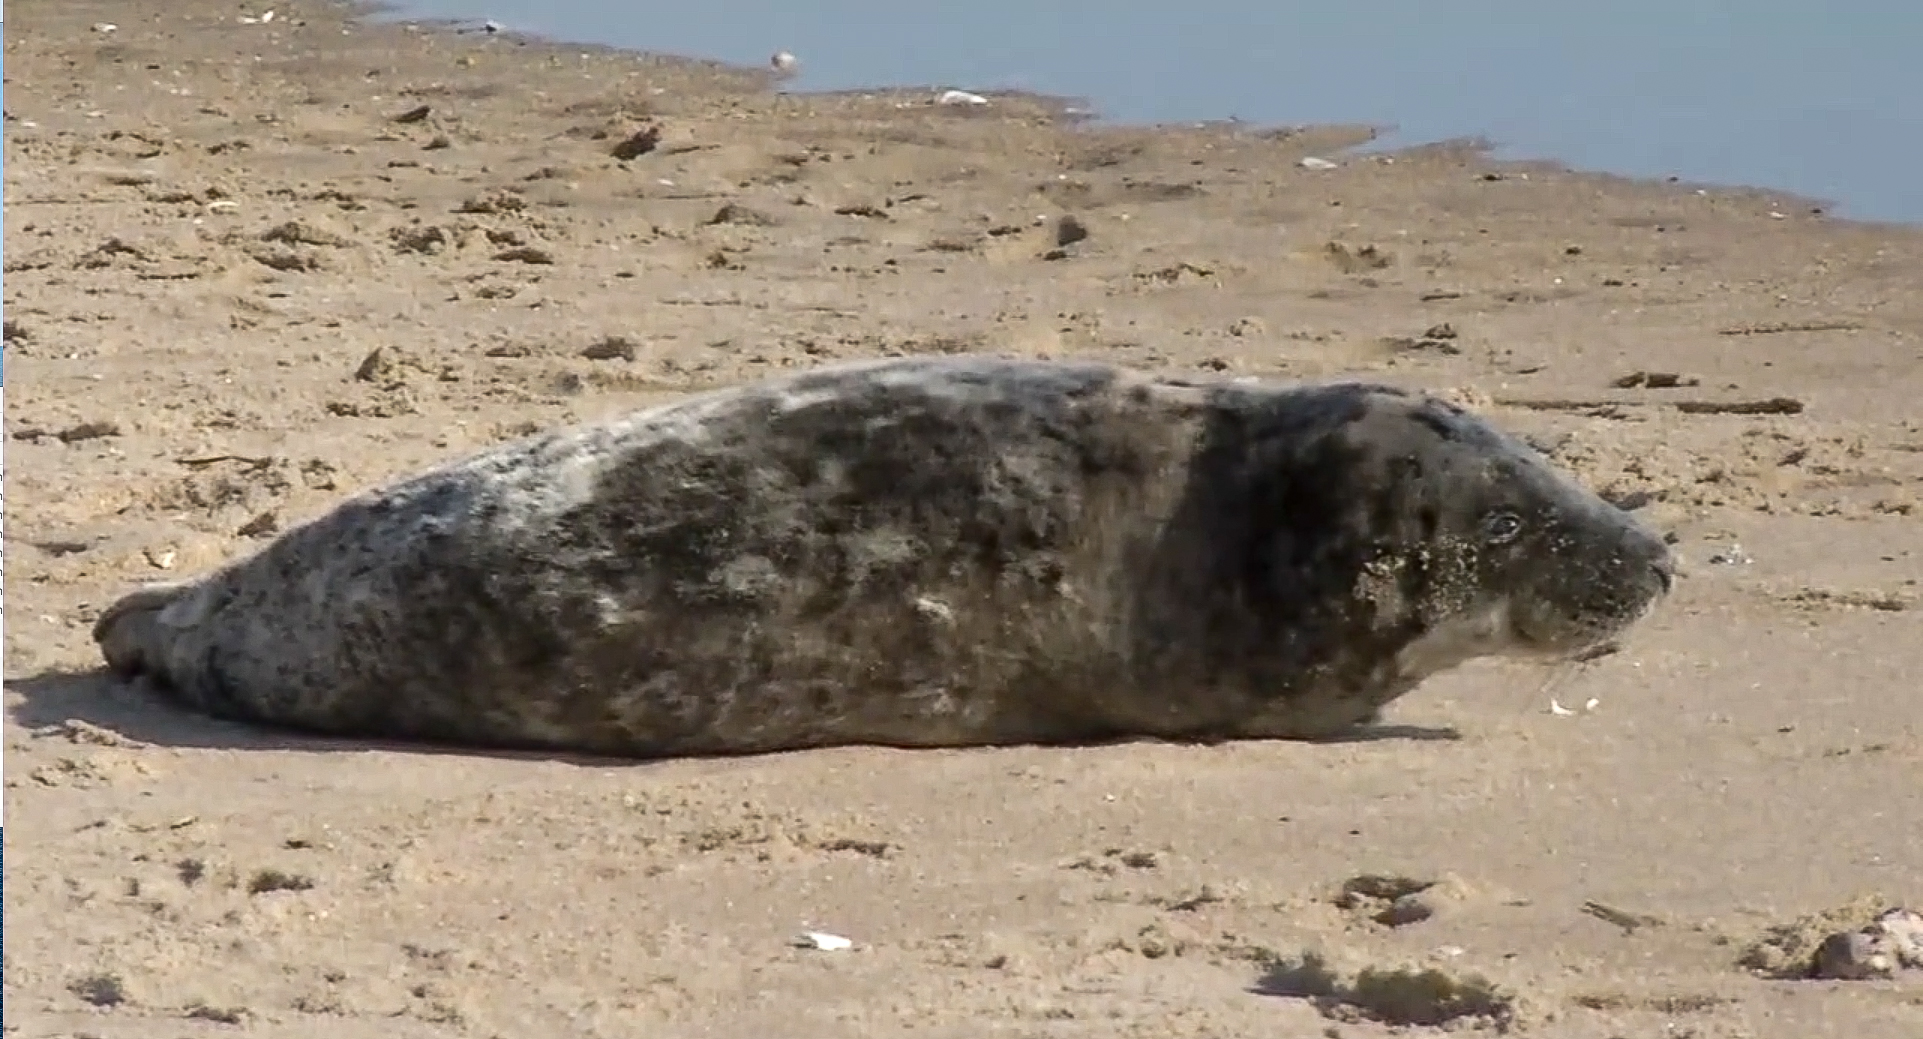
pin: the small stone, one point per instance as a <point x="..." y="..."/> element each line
<point x="1853" y="956"/>
<point x="637" y="144"/>
<point x="734" y="213"/>
<point x="1903" y="930"/>
<point x="503" y="201"/>
<point x="610" y="349"/>
<point x="260" y="526"/>
<point x="1070" y="230"/>
<point x="374" y="367"/>
<point x="824" y="941"/>
<point x="524" y="254"/>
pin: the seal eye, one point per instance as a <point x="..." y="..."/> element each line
<point x="1501" y="527"/>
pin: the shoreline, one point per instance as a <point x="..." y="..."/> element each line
<point x="1086" y="112"/>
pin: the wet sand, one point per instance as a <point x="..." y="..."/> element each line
<point x="251" y="268"/>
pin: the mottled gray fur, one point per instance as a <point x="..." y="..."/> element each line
<point x="928" y="552"/>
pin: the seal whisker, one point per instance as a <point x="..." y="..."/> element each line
<point x="1560" y="674"/>
<point x="1590" y="654"/>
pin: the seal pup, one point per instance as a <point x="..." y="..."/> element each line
<point x="920" y="552"/>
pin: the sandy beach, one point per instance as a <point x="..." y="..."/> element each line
<point x="254" y="267"/>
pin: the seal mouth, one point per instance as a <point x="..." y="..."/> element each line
<point x="1594" y="627"/>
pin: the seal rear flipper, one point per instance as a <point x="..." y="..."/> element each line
<point x="133" y="633"/>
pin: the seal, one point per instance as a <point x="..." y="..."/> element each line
<point x="917" y="552"/>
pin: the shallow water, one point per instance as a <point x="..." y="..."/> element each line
<point x="1824" y="100"/>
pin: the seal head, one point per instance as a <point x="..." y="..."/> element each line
<point x="1364" y="538"/>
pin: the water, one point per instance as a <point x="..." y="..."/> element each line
<point x="1823" y="100"/>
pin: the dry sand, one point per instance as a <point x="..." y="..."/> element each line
<point x="243" y="281"/>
